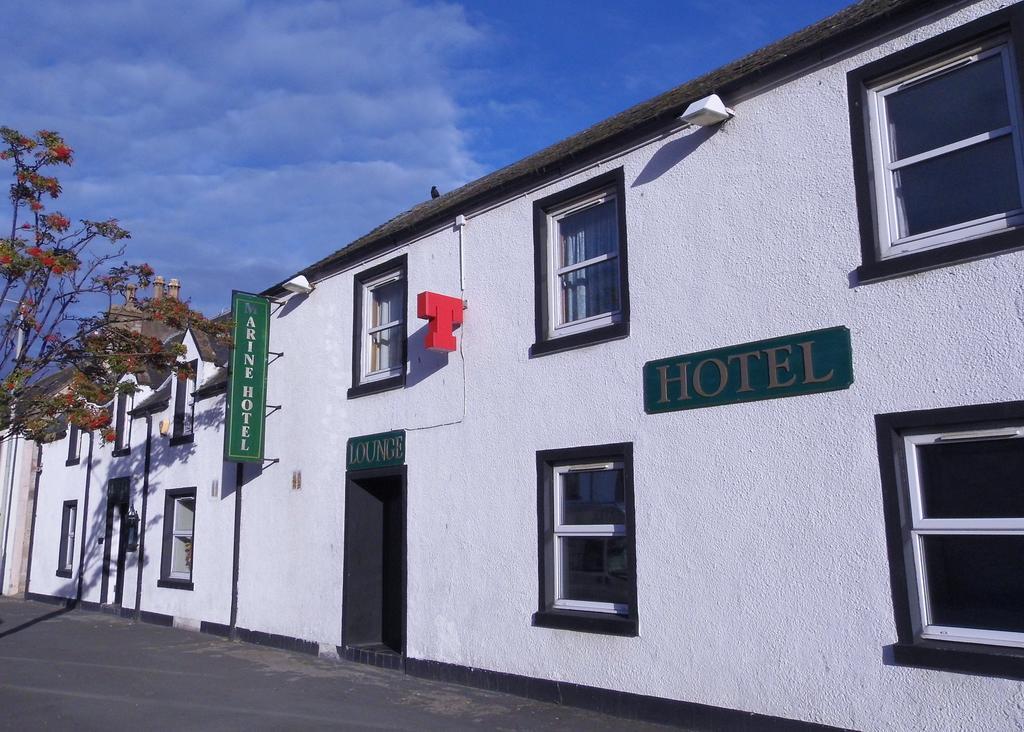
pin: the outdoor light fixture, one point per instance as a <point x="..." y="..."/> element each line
<point x="299" y="285"/>
<point x="131" y="530"/>
<point x="707" y="111"/>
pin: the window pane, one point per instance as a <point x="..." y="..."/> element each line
<point x="983" y="479"/>
<point x="593" y="497"/>
<point x="181" y="555"/>
<point x="976" y="581"/>
<point x="961" y="186"/>
<point x="954" y="106"/>
<point x="590" y="233"/>
<point x="386" y="349"/>
<point x="184" y="514"/>
<point x="387" y="304"/>
<point x="594" y="568"/>
<point x="591" y="290"/>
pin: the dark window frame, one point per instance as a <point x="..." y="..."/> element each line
<point x="64" y="570"/>
<point x="183" y="414"/>
<point x="360" y="388"/>
<point x="548" y="616"/>
<point x="74" y="446"/>
<point x="542" y="209"/>
<point x="170" y="496"/>
<point x="873" y="267"/>
<point x="910" y="649"/>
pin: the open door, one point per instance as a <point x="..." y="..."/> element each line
<point x="373" y="612"/>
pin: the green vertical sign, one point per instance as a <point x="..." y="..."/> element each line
<point x="247" y="383"/>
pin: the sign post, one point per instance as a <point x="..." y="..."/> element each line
<point x="247" y="383"/>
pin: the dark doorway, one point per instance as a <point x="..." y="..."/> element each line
<point x="373" y="610"/>
<point x="117" y="510"/>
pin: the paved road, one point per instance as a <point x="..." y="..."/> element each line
<point x="85" y="670"/>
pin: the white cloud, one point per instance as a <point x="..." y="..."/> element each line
<point x="239" y="141"/>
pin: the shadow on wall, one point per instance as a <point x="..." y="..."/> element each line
<point x="672" y="153"/>
<point x="423" y="363"/>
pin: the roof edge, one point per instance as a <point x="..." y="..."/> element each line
<point x="838" y="32"/>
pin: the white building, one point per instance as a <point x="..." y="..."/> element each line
<point x="850" y="555"/>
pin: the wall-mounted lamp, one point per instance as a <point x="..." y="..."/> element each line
<point x="299" y="285"/>
<point x="131" y="539"/>
<point x="165" y="426"/>
<point x="707" y="111"/>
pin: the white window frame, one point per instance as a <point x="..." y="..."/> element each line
<point x="189" y="402"/>
<point x="66" y="562"/>
<point x="890" y="243"/>
<point x="177" y="534"/>
<point x="74" y="444"/>
<point x="123" y="441"/>
<point x="921" y="527"/>
<point x="562" y="531"/>
<point x="366" y="340"/>
<point x="557" y="325"/>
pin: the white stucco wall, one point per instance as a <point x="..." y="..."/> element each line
<point x="763" y="579"/>
<point x="762" y="568"/>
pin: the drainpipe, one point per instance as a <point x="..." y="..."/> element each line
<point x="460" y="224"/>
<point x="9" y="479"/>
<point x="85" y="520"/>
<point x="35" y="510"/>
<point x="140" y="558"/>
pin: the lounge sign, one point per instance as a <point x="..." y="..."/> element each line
<point x="806" y="363"/>
<point x="247" y="385"/>
<point x="382" y="450"/>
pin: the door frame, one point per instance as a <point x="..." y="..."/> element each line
<point x="121" y="505"/>
<point x="353" y="476"/>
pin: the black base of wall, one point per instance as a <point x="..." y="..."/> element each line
<point x="606" y="701"/>
<point x="51" y="599"/>
<point x="273" y="640"/>
<point x="218" y="629"/>
<point x="123" y="612"/>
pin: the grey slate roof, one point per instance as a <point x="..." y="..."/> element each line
<point x="848" y="26"/>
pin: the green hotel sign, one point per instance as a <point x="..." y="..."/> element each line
<point x="247" y="384"/>
<point x="806" y="363"/>
<point x="383" y="450"/>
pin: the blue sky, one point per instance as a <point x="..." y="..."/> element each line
<point x="240" y="140"/>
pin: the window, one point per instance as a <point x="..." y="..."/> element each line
<point x="586" y="540"/>
<point x="184" y="404"/>
<point x="179" y="524"/>
<point x="74" y="445"/>
<point x="937" y="131"/>
<point x="955" y="528"/>
<point x="66" y="557"/>
<point x="121" y="432"/>
<point x="379" y="343"/>
<point x="581" y="288"/>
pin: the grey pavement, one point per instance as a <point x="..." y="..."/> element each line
<point x="85" y="670"/>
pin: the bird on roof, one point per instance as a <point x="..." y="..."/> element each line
<point x="434" y="193"/>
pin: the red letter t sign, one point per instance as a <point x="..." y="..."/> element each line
<point x="444" y="314"/>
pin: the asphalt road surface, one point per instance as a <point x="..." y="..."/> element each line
<point x="83" y="670"/>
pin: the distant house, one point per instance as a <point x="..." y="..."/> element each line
<point x="731" y="434"/>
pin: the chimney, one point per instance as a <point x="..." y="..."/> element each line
<point x="129" y="294"/>
<point x="158" y="288"/>
<point x="173" y="288"/>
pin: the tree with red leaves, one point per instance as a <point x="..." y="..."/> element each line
<point x="58" y="281"/>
